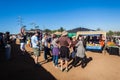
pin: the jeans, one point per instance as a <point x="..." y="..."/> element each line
<point x="55" y="60"/>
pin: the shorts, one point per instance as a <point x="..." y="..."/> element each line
<point x="64" y="52"/>
<point x="36" y="51"/>
<point x="64" y="59"/>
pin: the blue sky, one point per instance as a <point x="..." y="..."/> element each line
<point x="53" y="14"/>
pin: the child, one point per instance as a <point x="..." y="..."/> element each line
<point x="55" y="51"/>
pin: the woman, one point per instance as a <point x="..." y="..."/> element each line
<point x="55" y="50"/>
<point x="22" y="42"/>
<point x="80" y="54"/>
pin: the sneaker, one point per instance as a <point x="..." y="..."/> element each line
<point x="53" y="65"/>
<point x="56" y="66"/>
<point x="46" y="60"/>
<point x="61" y="69"/>
<point x="66" y="70"/>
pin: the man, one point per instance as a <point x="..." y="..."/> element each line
<point x="46" y="49"/>
<point x="65" y="43"/>
<point x="7" y="42"/>
<point x="35" y="46"/>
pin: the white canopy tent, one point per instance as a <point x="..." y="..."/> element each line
<point x="91" y="33"/>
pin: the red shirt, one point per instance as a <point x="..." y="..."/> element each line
<point x="64" y="41"/>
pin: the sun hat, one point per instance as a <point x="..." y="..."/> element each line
<point x="73" y="36"/>
<point x="64" y="33"/>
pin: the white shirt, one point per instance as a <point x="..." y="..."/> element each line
<point x="54" y="42"/>
<point x="44" y="41"/>
<point x="34" y="41"/>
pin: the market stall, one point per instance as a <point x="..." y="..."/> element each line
<point x="71" y="35"/>
<point x="103" y="33"/>
<point x="96" y="47"/>
<point x="95" y="39"/>
<point x="112" y="48"/>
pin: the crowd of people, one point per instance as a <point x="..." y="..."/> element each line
<point x="61" y="49"/>
<point x="5" y="43"/>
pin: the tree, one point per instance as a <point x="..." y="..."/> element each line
<point x="53" y="31"/>
<point x="110" y="33"/>
<point x="117" y="33"/>
<point x="98" y="29"/>
<point x="47" y="30"/>
<point x="61" y="29"/>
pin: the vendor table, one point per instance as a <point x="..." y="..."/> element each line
<point x="94" y="48"/>
<point x="113" y="50"/>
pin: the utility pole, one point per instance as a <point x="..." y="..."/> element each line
<point x="20" y="21"/>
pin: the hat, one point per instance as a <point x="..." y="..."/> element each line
<point x="73" y="36"/>
<point x="64" y="33"/>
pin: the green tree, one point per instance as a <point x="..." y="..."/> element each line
<point x="47" y="31"/>
<point x="110" y="33"/>
<point x="117" y="33"/>
<point x="61" y="29"/>
<point x="98" y="29"/>
<point x="53" y="31"/>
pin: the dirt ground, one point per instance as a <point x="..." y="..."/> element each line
<point x="22" y="67"/>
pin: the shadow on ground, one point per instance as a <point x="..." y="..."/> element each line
<point x="22" y="67"/>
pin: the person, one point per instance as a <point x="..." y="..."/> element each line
<point x="22" y="42"/>
<point x="118" y="41"/>
<point x="55" y="50"/>
<point x="102" y="42"/>
<point x="35" y="46"/>
<point x="7" y="42"/>
<point x="80" y="54"/>
<point x="65" y="43"/>
<point x="14" y="39"/>
<point x="73" y="43"/>
<point x="1" y="41"/>
<point x="46" y="48"/>
<point x="22" y="37"/>
<point x="105" y="47"/>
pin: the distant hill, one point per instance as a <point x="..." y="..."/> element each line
<point x="79" y="29"/>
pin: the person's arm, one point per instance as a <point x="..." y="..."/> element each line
<point x="43" y="41"/>
<point x="37" y="41"/>
<point x="78" y="43"/>
<point x="69" y="42"/>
